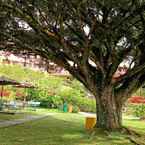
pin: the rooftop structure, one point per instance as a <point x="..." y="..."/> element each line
<point x="32" y="61"/>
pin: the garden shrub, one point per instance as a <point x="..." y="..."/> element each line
<point x="75" y="109"/>
<point x="1" y="105"/>
<point x="46" y="102"/>
<point x="139" y="110"/>
<point x="86" y="104"/>
<point x="51" y="102"/>
<point x="77" y="97"/>
<point x="56" y="101"/>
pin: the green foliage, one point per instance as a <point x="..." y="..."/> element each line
<point x="76" y="96"/>
<point x="75" y="109"/>
<point x="1" y="105"/>
<point x="57" y="101"/>
<point x="47" y="102"/>
<point x="86" y="104"/>
<point x="139" y="110"/>
<point x="50" y="90"/>
<point x="33" y="94"/>
<point x="51" y="102"/>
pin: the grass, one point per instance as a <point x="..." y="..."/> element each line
<point x="6" y="117"/>
<point x="137" y="125"/>
<point x="41" y="110"/>
<point x="24" y="113"/>
<point x="63" y="129"/>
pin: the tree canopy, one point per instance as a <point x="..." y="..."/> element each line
<point x="89" y="38"/>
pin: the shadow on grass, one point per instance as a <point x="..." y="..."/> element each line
<point x="60" y="129"/>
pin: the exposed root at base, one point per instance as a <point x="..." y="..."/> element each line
<point x="129" y="131"/>
<point x="135" y="141"/>
<point x="124" y="130"/>
<point x="133" y="136"/>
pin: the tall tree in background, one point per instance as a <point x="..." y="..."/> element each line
<point x="89" y="38"/>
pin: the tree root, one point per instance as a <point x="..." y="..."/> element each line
<point x="135" y="141"/>
<point x="129" y="131"/>
<point x="123" y="130"/>
<point x="133" y="136"/>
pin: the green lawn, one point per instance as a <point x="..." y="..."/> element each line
<point x="62" y="129"/>
<point x="139" y="126"/>
<point x="24" y="113"/>
<point x="6" y="117"/>
<point x="41" y="110"/>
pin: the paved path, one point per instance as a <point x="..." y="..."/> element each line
<point x="87" y="114"/>
<point x="23" y="120"/>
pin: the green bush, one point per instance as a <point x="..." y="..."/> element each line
<point x="56" y="101"/>
<point x="139" y="110"/>
<point x="75" y="109"/>
<point x="51" y="102"/>
<point x="44" y="104"/>
<point x="86" y="104"/>
<point x="76" y="97"/>
<point x="1" y="105"/>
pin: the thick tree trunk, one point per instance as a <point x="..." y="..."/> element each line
<point x="109" y="112"/>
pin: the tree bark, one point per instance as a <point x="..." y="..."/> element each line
<point x="108" y="111"/>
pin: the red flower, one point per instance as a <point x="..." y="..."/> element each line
<point x="137" y="99"/>
<point x="5" y="93"/>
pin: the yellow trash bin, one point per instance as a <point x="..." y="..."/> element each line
<point x="90" y="122"/>
<point x="70" y="108"/>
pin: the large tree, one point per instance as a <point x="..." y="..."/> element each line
<point x="89" y="38"/>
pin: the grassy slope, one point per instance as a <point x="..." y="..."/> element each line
<point x="20" y="73"/>
<point x="61" y="129"/>
<point x="53" y="84"/>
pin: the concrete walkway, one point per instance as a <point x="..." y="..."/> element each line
<point x="23" y="120"/>
<point x="87" y="114"/>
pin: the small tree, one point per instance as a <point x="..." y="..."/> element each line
<point x="89" y="38"/>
